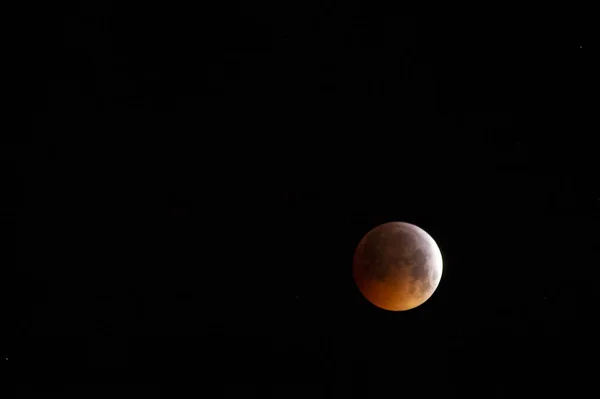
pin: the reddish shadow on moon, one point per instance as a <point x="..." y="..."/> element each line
<point x="397" y="266"/>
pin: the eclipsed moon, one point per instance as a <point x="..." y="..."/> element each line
<point x="397" y="266"/>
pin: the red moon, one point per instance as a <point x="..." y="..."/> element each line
<point x="397" y="266"/>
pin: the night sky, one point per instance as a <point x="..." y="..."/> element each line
<point x="196" y="182"/>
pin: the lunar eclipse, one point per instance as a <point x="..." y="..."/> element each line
<point x="397" y="266"/>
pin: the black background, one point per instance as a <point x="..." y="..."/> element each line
<point x="196" y="182"/>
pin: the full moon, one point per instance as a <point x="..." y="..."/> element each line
<point x="397" y="266"/>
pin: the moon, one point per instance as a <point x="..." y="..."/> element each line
<point x="397" y="266"/>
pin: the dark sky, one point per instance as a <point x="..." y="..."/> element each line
<point x="197" y="180"/>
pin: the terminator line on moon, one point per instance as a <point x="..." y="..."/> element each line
<point x="397" y="266"/>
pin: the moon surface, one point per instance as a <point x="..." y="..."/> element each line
<point x="397" y="266"/>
